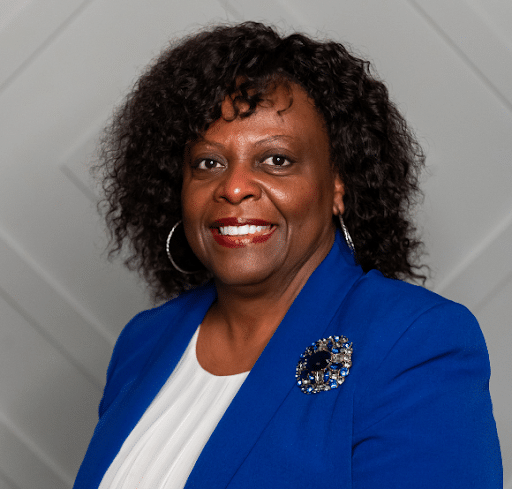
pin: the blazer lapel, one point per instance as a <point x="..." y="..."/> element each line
<point x="273" y="376"/>
<point x="178" y="323"/>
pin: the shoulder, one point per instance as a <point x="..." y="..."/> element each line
<point x="147" y="326"/>
<point x="405" y="319"/>
<point x="412" y="341"/>
<point x="395" y="293"/>
<point x="142" y="334"/>
<point x="399" y="307"/>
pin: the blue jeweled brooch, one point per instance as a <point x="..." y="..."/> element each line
<point x="324" y="365"/>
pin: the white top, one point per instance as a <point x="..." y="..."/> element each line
<point x="163" y="447"/>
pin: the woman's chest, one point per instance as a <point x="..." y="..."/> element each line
<point x="307" y="442"/>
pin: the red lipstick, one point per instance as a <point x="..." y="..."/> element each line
<point x="241" y="240"/>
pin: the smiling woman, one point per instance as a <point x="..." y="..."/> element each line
<point x="291" y="174"/>
<point x="272" y="170"/>
<point x="292" y="202"/>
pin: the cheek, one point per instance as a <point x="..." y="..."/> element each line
<point x="191" y="210"/>
<point x="305" y="199"/>
<point x="192" y="214"/>
<point x="192" y="200"/>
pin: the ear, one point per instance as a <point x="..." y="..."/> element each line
<point x="338" y="207"/>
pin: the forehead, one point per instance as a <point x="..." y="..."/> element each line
<point x="286" y="109"/>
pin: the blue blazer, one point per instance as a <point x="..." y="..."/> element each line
<point x="414" y="411"/>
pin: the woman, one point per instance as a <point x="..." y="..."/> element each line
<point x="292" y="356"/>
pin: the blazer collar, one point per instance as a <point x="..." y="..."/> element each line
<point x="273" y="376"/>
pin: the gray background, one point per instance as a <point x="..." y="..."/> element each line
<point x="65" y="63"/>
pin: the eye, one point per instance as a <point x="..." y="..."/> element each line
<point x="207" y="164"/>
<point x="277" y="160"/>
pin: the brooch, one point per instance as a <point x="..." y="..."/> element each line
<point x="324" y="365"/>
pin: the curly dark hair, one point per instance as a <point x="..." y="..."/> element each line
<point x="180" y="95"/>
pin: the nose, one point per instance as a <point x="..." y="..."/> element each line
<point x="238" y="183"/>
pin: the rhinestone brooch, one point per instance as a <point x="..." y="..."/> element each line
<point x="324" y="365"/>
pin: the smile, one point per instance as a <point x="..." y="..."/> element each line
<point x="242" y="230"/>
<point x="237" y="233"/>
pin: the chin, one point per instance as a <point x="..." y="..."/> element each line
<point x="243" y="275"/>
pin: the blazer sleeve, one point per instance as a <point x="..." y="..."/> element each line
<point x="424" y="418"/>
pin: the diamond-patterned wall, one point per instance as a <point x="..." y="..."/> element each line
<point x="63" y="66"/>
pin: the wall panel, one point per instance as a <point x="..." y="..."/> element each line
<point x="65" y="63"/>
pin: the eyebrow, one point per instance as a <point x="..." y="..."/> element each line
<point x="271" y="139"/>
<point x="261" y="142"/>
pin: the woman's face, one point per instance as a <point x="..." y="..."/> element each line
<point x="259" y="192"/>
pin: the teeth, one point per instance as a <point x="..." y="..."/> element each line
<point x="241" y="230"/>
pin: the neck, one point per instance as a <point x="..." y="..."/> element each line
<point x="238" y="326"/>
<point x="249" y="310"/>
<point x="241" y="322"/>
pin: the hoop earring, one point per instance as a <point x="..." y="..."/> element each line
<point x="348" y="238"/>
<point x="167" y="248"/>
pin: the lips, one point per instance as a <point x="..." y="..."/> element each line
<point x="233" y="232"/>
